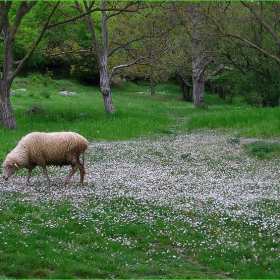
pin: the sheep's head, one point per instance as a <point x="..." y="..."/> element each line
<point x="9" y="169"/>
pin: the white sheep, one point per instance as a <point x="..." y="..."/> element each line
<point x="42" y="149"/>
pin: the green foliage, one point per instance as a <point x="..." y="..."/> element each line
<point x="257" y="89"/>
<point x="226" y="84"/>
<point x="42" y="80"/>
<point x="261" y="89"/>
<point x="254" y="98"/>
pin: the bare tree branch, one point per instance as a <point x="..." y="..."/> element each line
<point x="120" y="46"/>
<point x="36" y="43"/>
<point x="262" y="22"/>
<point x="122" y="66"/>
<point x="125" y="9"/>
<point x="252" y="45"/>
<point x="216" y="72"/>
<point x="69" y="52"/>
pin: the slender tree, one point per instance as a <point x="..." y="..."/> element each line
<point x="9" y="26"/>
<point x="10" y="68"/>
<point x="129" y="46"/>
<point x="202" y="56"/>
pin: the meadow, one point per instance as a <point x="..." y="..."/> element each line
<point x="170" y="191"/>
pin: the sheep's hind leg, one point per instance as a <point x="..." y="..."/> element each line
<point x="74" y="168"/>
<point x="82" y="172"/>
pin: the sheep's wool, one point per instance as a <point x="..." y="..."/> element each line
<point x="57" y="148"/>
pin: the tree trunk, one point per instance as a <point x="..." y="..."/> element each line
<point x="101" y="52"/>
<point x="106" y="91"/>
<point x="153" y="85"/>
<point x="102" y="59"/>
<point x="198" y="67"/>
<point x="187" y="93"/>
<point x="6" y="113"/>
<point x="184" y="88"/>
<point x="198" y="91"/>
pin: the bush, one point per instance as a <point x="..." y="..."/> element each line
<point x="260" y="87"/>
<point x="225" y="84"/>
<point x="253" y="98"/>
<point x="39" y="79"/>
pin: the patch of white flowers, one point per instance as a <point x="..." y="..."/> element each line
<point x="200" y="173"/>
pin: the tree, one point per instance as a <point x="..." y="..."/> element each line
<point x="9" y="30"/>
<point x="118" y="47"/>
<point x="157" y="37"/>
<point x="100" y="45"/>
<point x="272" y="30"/>
<point x="101" y="51"/>
<point x="11" y="17"/>
<point x="201" y="56"/>
<point x="253" y="50"/>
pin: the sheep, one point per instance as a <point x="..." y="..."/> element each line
<point x="42" y="149"/>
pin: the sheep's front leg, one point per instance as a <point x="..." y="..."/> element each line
<point x="29" y="175"/>
<point x="46" y="174"/>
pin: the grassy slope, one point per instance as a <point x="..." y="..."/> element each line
<point x="57" y="252"/>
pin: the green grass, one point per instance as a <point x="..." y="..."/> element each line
<point x="60" y="241"/>
<point x="52" y="250"/>
<point x="249" y="122"/>
<point x="138" y="114"/>
<point x="263" y="149"/>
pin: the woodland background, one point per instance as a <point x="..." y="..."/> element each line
<point x="231" y="48"/>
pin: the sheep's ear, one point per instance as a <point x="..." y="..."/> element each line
<point x="15" y="165"/>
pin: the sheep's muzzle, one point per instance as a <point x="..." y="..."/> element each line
<point x="5" y="177"/>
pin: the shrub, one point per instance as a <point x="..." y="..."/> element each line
<point x="253" y="98"/>
<point x="260" y="88"/>
<point x="39" y="79"/>
<point x="225" y="84"/>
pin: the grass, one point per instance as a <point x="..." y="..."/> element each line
<point x="148" y="209"/>
<point x="81" y="249"/>
<point x="263" y="149"/>
<point x="138" y="114"/>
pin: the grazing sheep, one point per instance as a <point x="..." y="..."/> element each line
<point x="42" y="149"/>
